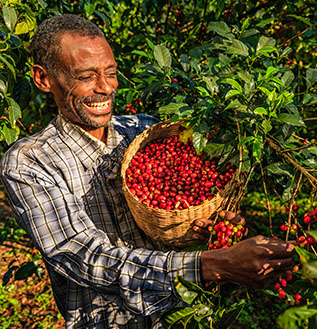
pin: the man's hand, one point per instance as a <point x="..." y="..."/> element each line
<point x="254" y="262"/>
<point x="201" y="226"/>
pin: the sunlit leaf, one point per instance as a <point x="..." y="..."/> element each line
<point x="9" y="16"/>
<point x="162" y="56"/>
<point x="238" y="48"/>
<point x="265" y="42"/>
<point x="293" y="317"/>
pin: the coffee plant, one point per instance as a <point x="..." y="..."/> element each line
<point x="243" y="69"/>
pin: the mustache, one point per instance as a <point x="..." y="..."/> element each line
<point x="97" y="98"/>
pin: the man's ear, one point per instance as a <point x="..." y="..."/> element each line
<point x="41" y="78"/>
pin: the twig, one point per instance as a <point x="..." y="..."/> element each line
<point x="291" y="206"/>
<point x="311" y="178"/>
<point x="240" y="148"/>
<point x="299" y="148"/>
<point x="298" y="35"/>
<point x="268" y="205"/>
<point x="311" y="119"/>
<point x="126" y="78"/>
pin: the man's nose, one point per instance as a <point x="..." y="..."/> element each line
<point x="103" y="86"/>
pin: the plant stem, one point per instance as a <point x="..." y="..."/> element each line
<point x="268" y="205"/>
<point x="311" y="178"/>
<point x="291" y="206"/>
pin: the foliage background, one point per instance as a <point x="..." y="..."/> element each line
<point x="133" y="28"/>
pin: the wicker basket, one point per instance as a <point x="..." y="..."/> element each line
<point x="171" y="227"/>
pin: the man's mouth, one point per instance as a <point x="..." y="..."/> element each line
<point x="101" y="106"/>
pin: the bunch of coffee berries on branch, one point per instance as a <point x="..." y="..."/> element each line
<point x="134" y="106"/>
<point x="283" y="289"/>
<point x="309" y="219"/>
<point x="169" y="174"/>
<point x="224" y="235"/>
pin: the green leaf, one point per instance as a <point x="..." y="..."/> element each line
<point x="302" y="19"/>
<point x="266" y="50"/>
<point x="265" y="22"/>
<point x="9" y="16"/>
<point x="265" y="42"/>
<point x="171" y="108"/>
<point x="278" y="168"/>
<point x="248" y="33"/>
<point x="187" y="295"/>
<point x="260" y="110"/>
<point x="3" y="235"/>
<point x="10" y="134"/>
<point x="286" y="51"/>
<point x="238" y="48"/>
<point x="233" y="83"/>
<point x="5" y="59"/>
<point x="287" y="78"/>
<point x="256" y="149"/>
<point x="162" y="56"/>
<point x="199" y="141"/>
<point x="22" y="92"/>
<point x="22" y="28"/>
<point x="245" y="140"/>
<point x="270" y="70"/>
<point x="266" y="125"/>
<point x="221" y="28"/>
<point x="245" y="24"/>
<point x="140" y="52"/>
<point x="313" y="234"/>
<point x="245" y="76"/>
<point x="26" y="270"/>
<point x="293" y="317"/>
<point x="172" y="317"/>
<point x="8" y="275"/>
<point x="311" y="77"/>
<point x="14" y="110"/>
<point x="185" y="62"/>
<point x="214" y="149"/>
<point x="310" y="163"/>
<point x="89" y="8"/>
<point x="231" y="93"/>
<point x="42" y="3"/>
<point x="291" y="119"/>
<point x="211" y="83"/>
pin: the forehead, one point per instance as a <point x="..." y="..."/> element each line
<point x="83" y="52"/>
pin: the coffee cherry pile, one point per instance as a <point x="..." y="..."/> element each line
<point x="225" y="234"/>
<point x="168" y="174"/>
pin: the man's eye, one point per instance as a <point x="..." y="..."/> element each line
<point x="111" y="75"/>
<point x="85" y="78"/>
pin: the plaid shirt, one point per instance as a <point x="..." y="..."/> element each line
<point x="65" y="190"/>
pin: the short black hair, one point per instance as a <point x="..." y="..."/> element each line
<point x="45" y="44"/>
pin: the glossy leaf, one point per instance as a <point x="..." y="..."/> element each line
<point x="9" y="16"/>
<point x="162" y="56"/>
<point x="293" y="317"/>
<point x="238" y="48"/>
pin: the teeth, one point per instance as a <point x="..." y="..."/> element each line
<point x="98" y="105"/>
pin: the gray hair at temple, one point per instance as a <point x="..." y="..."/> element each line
<point x="45" y="44"/>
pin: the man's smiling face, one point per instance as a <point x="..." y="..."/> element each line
<point x="86" y="82"/>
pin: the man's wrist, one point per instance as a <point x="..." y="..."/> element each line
<point x="212" y="264"/>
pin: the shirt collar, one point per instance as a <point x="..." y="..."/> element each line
<point x="87" y="147"/>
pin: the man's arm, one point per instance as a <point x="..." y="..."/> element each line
<point x="70" y="242"/>
<point x="255" y="262"/>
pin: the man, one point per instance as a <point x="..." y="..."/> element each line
<point x="65" y="190"/>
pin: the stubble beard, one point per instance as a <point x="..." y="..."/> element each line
<point x="91" y="119"/>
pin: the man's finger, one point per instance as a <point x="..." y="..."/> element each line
<point x="232" y="217"/>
